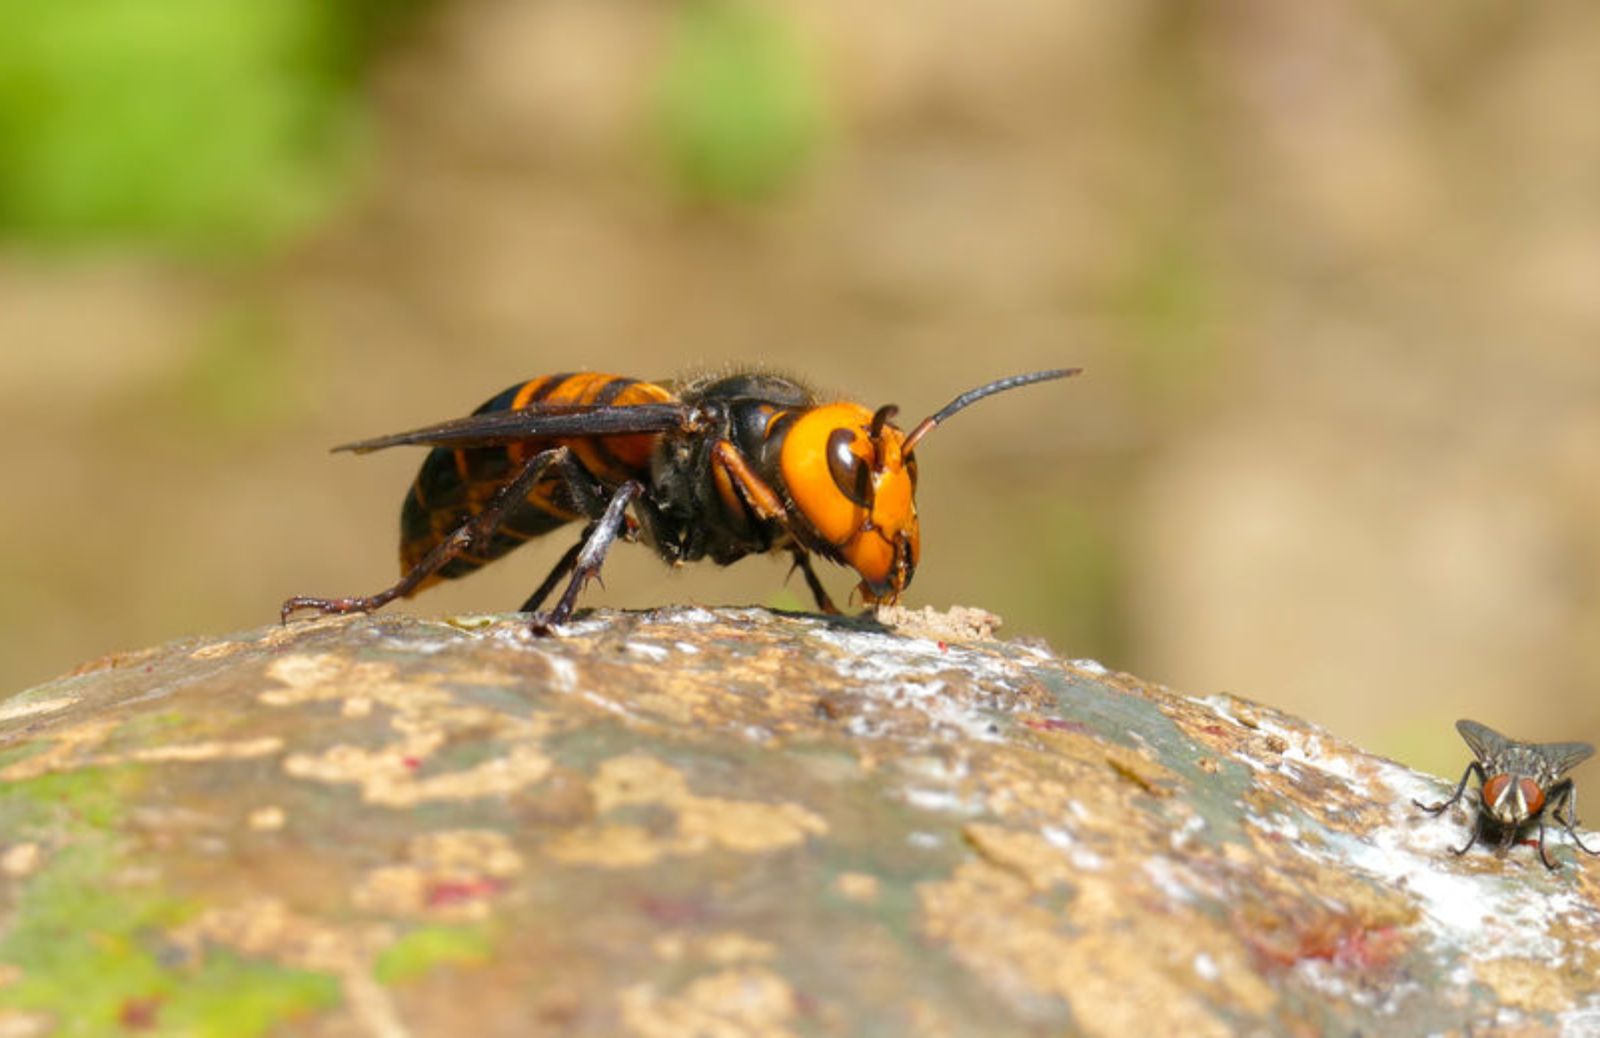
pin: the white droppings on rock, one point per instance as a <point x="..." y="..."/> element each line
<point x="1085" y="860"/>
<point x="1583" y="1022"/>
<point x="564" y="671"/>
<point x="1205" y="967"/>
<point x="907" y="676"/>
<point x="606" y="705"/>
<point x="1187" y="831"/>
<point x="698" y="615"/>
<point x="648" y="651"/>
<point x="943" y="800"/>
<point x="1279" y="825"/>
<point x="1164" y="874"/>
<point x="1307" y="747"/>
<point x="1058" y="837"/>
<point x="1482" y="915"/>
<point x="1089" y="666"/>
<point x="23" y="706"/>
<point x="423" y="646"/>
<point x="1326" y="978"/>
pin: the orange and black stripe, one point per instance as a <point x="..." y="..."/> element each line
<point x="455" y="484"/>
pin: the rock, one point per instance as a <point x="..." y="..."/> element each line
<point x="735" y="823"/>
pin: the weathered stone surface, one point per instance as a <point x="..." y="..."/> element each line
<point x="734" y="823"/>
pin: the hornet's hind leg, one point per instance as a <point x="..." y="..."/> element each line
<point x="477" y="529"/>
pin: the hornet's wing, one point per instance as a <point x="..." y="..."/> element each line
<point x="494" y="428"/>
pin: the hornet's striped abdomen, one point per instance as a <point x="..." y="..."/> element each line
<point x="454" y="485"/>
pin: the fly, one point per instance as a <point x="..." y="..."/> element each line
<point x="1517" y="782"/>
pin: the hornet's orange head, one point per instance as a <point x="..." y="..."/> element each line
<point x="850" y="476"/>
<point x="853" y="477"/>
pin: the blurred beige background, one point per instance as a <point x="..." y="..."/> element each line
<point x="1333" y="269"/>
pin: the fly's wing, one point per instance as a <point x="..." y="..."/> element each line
<point x="495" y="428"/>
<point x="1486" y="743"/>
<point x="1564" y="756"/>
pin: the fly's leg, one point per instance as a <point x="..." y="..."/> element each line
<point x="586" y="563"/>
<point x="1542" y="855"/>
<point x="1566" y="812"/>
<point x="1464" y="848"/>
<point x="1434" y="809"/>
<point x="802" y="562"/>
<point x="476" y="529"/>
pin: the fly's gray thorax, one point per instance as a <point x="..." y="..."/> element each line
<point x="1523" y="761"/>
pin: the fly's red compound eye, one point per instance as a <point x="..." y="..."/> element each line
<point x="1495" y="789"/>
<point x="1532" y="795"/>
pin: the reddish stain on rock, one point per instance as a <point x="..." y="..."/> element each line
<point x="1055" y="724"/>
<point x="455" y="892"/>
<point x="672" y="911"/>
<point x="1344" y="941"/>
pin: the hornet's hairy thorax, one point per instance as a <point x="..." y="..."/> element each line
<point x="752" y="411"/>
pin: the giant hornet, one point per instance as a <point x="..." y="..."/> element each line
<point x="718" y="468"/>
<point x="1517" y="781"/>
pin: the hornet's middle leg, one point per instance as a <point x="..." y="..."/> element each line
<point x="587" y="557"/>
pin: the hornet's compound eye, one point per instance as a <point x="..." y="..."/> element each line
<point x="849" y="470"/>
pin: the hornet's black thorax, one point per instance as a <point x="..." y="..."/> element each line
<point x="697" y="514"/>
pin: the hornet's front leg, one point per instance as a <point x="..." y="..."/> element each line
<point x="732" y="470"/>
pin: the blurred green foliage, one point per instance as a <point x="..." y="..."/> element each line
<point x="213" y="124"/>
<point x="740" y="110"/>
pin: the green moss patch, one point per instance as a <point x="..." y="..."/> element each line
<point x="427" y="947"/>
<point x="86" y="934"/>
